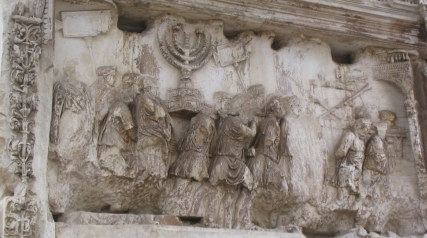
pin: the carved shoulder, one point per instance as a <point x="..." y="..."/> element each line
<point x="345" y="144"/>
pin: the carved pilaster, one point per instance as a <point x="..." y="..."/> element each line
<point x="20" y="212"/>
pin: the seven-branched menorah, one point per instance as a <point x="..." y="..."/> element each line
<point x="185" y="57"/>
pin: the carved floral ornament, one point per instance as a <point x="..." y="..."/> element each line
<point x="25" y="50"/>
<point x="21" y="217"/>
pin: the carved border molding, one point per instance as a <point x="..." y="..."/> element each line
<point x="24" y="53"/>
<point x="390" y="23"/>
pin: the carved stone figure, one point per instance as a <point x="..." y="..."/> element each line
<point x="132" y="85"/>
<point x="303" y="150"/>
<point x="154" y="131"/>
<point x="229" y="165"/>
<point x="394" y="137"/>
<point x="352" y="153"/>
<point x="192" y="162"/>
<point x="376" y="157"/>
<point x="115" y="139"/>
<point x="118" y="131"/>
<point x="104" y="92"/>
<point x="72" y="115"/>
<point x="377" y="191"/>
<point x="264" y="165"/>
<point x="389" y="117"/>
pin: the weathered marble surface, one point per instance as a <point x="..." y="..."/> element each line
<point x="85" y="218"/>
<point x="249" y="115"/>
<point x="155" y="231"/>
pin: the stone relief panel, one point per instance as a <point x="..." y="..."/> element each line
<point x="206" y="133"/>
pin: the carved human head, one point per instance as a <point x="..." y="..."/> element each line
<point x="293" y="105"/>
<point x="128" y="80"/>
<point x="256" y="91"/>
<point x="150" y="85"/>
<point x="361" y="127"/>
<point x="274" y="106"/>
<point x="133" y="80"/>
<point x="202" y="126"/>
<point x="70" y="68"/>
<point x="108" y="74"/>
<point x="389" y="117"/>
<point x="222" y="102"/>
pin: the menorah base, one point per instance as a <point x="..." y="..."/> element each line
<point x="186" y="100"/>
<point x="185" y="83"/>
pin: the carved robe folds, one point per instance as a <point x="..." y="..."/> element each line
<point x="264" y="165"/>
<point x="193" y="160"/>
<point x="353" y="149"/>
<point x="154" y="134"/>
<point x="71" y="119"/>
<point x="352" y="154"/>
<point x="376" y="155"/>
<point x="115" y="139"/>
<point x="229" y="164"/>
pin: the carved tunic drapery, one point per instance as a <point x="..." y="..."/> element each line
<point x="229" y="164"/>
<point x="70" y="96"/>
<point x="193" y="161"/>
<point x="264" y="165"/>
<point x="154" y="134"/>
<point x="115" y="142"/>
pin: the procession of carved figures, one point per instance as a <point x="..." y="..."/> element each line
<point x="243" y="141"/>
<point x="243" y="147"/>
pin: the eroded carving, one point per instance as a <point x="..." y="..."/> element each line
<point x="301" y="140"/>
<point x="21" y="217"/>
<point x="264" y="164"/>
<point x="116" y="142"/>
<point x="21" y="210"/>
<point x="154" y="131"/>
<point x="228" y="165"/>
<point x="351" y="154"/>
<point x="187" y="58"/>
<point x="193" y="160"/>
<point x="183" y="56"/>
<point x="376" y="151"/>
<point x="72" y="102"/>
<point x="265" y="155"/>
<point x="104" y="92"/>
